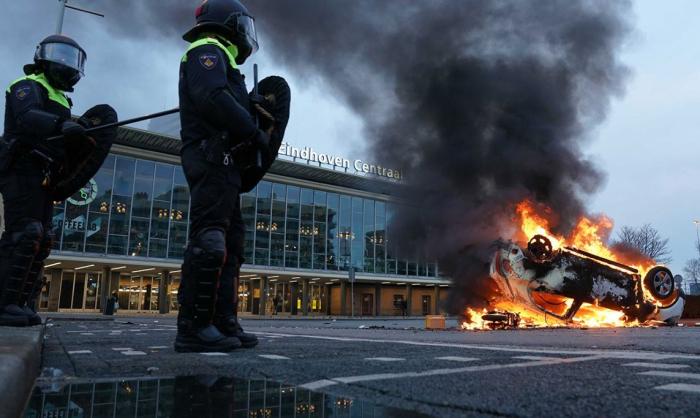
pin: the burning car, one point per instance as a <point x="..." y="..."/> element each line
<point x="558" y="282"/>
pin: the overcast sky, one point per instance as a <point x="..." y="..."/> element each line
<point x="647" y="146"/>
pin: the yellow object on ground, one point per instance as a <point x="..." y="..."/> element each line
<point x="434" y="322"/>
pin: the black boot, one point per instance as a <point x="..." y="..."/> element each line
<point x="13" y="316"/>
<point x="193" y="338"/>
<point x="226" y="319"/>
<point x="195" y="332"/>
<point x="229" y="326"/>
<point x="14" y="268"/>
<point x="33" y="318"/>
<point x="31" y="291"/>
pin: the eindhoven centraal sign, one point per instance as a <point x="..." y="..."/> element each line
<point x="309" y="155"/>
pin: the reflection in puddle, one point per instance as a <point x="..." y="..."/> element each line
<point x="195" y="396"/>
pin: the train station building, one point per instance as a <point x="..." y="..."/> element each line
<point x="316" y="237"/>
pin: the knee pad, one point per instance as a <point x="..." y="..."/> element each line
<point x="209" y="248"/>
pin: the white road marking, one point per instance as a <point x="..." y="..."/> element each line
<point x="133" y="353"/>
<point x="141" y="333"/>
<point x="675" y="375"/>
<point x="681" y="387"/>
<point x="632" y="355"/>
<point x="657" y="365"/>
<point x="113" y="331"/>
<point x="455" y="358"/>
<point x="535" y="358"/>
<point x="121" y="348"/>
<point x="158" y="347"/>
<point x="273" y="357"/>
<point x="440" y="372"/>
<point x="384" y="359"/>
<point x="80" y="352"/>
<point x="214" y="354"/>
<point x="86" y="333"/>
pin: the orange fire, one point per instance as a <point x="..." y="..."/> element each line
<point x="590" y="234"/>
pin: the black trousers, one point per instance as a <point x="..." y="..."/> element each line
<point x="25" y="200"/>
<point x="215" y="203"/>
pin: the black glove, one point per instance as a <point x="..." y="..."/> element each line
<point x="84" y="122"/>
<point x="262" y="107"/>
<point x="274" y="98"/>
<point x="266" y="121"/>
<point x="72" y="130"/>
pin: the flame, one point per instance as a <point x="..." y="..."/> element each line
<point x="472" y="319"/>
<point x="588" y="316"/>
<point x="590" y="234"/>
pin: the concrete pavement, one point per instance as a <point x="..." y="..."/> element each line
<point x="599" y="372"/>
<point x="20" y="360"/>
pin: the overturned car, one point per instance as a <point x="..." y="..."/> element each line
<point x="558" y="282"/>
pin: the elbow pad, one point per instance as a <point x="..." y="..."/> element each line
<point x="37" y="122"/>
<point x="226" y="113"/>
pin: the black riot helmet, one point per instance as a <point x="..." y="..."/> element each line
<point x="227" y="18"/>
<point x="61" y="59"/>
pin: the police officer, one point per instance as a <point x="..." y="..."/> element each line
<point x="36" y="108"/>
<point x="216" y="117"/>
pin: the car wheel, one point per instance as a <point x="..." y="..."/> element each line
<point x="541" y="248"/>
<point x="660" y="283"/>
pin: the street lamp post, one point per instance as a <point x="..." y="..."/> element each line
<point x="697" y="247"/>
<point x="61" y="14"/>
<point x="351" y="276"/>
<point x="62" y="5"/>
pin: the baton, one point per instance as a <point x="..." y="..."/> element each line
<point x="123" y="122"/>
<point x="258" y="154"/>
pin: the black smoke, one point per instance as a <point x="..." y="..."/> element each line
<point x="481" y="103"/>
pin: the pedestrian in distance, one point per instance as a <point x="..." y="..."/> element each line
<point x="276" y="304"/>
<point x="112" y="304"/>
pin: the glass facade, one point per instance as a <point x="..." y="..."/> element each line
<point x="131" y="207"/>
<point x="299" y="227"/>
<point x="79" y="290"/>
<point x="140" y="208"/>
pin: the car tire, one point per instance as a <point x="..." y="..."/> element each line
<point x="541" y="248"/>
<point x="660" y="284"/>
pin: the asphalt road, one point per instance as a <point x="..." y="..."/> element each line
<point x="633" y="372"/>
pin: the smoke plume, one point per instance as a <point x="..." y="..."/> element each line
<point x="481" y="103"/>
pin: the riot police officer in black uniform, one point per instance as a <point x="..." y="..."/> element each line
<point x="36" y="108"/>
<point x="216" y="117"/>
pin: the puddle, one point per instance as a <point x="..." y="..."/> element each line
<point x="194" y="396"/>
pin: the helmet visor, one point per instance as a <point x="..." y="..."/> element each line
<point x="63" y="54"/>
<point x="245" y="26"/>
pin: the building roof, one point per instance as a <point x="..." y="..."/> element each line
<point x="152" y="141"/>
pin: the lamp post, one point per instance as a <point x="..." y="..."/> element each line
<point x="351" y="276"/>
<point x="63" y="4"/>
<point x="697" y="247"/>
